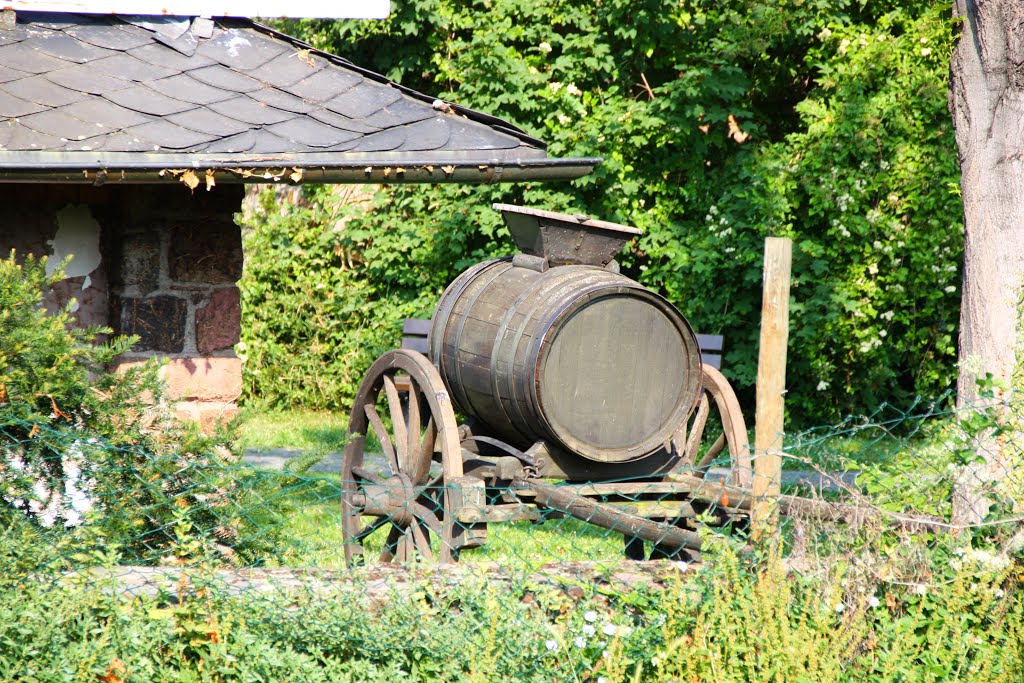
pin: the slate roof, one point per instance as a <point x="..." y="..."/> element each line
<point x="127" y="97"/>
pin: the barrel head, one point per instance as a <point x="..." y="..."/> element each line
<point x="618" y="376"/>
<point x="565" y="239"/>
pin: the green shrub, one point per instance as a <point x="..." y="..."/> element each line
<point x="92" y="457"/>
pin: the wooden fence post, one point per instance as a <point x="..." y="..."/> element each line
<point x="771" y="384"/>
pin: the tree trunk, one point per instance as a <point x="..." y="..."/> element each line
<point x="986" y="100"/>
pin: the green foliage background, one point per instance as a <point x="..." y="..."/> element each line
<point x="719" y="123"/>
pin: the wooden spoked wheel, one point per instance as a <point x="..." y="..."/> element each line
<point x="406" y="487"/>
<point x="718" y="393"/>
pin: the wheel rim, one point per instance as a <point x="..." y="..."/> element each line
<point x="405" y="489"/>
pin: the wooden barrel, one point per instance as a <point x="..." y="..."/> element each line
<point x="576" y="355"/>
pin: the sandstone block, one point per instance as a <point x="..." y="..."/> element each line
<point x="204" y="379"/>
<point x="219" y="322"/>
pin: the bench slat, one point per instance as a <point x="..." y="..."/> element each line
<point x="415" y="344"/>
<point x="710" y="342"/>
<point x="416" y="327"/>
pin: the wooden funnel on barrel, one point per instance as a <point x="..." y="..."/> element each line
<point x="562" y="239"/>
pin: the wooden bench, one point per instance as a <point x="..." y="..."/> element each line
<point x="414" y="335"/>
<point x="416" y="330"/>
<point x="711" y="349"/>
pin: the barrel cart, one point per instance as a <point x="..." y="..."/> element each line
<point x="583" y="394"/>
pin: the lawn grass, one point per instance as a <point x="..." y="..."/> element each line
<point x="301" y="430"/>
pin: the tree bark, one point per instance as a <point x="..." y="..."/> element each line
<point x="986" y="100"/>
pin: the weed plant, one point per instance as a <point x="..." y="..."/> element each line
<point x="739" y="617"/>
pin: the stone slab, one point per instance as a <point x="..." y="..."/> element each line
<point x="219" y="322"/>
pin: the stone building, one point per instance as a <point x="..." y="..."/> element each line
<point x="126" y="141"/>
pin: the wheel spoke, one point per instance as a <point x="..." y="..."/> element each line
<point x="367" y="475"/>
<point x="420" y="541"/>
<point x="709" y="457"/>
<point x="382" y="435"/>
<point x="427" y="447"/>
<point x="406" y="551"/>
<point x="391" y="546"/>
<point x="370" y="528"/>
<point x="397" y="424"/>
<point x="697" y="432"/>
<point x="428" y="517"/>
<point x="413" y="427"/>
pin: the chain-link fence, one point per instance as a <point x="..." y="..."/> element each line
<point x="894" y="548"/>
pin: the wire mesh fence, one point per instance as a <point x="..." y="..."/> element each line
<point x="215" y="563"/>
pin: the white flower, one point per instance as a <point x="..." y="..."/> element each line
<point x="926" y="51"/>
<point x="545" y="47"/>
<point x="950" y="289"/>
<point x="580" y="642"/>
<point x="554" y="86"/>
<point x="40" y="491"/>
<point x="72" y="518"/>
<point x="590" y="616"/>
<point x="989" y="560"/>
<point x="602" y="679"/>
<point x="608" y="629"/>
<point x="573" y="90"/>
<point x="682" y="566"/>
<point x="589" y="630"/>
<point x="563" y="119"/>
<point x="52" y="512"/>
<point x="822" y="385"/>
<point x="920" y="589"/>
<point x="551" y="645"/>
<point x="840" y="607"/>
<point x="873" y="602"/>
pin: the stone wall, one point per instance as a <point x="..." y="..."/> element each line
<point x="151" y="260"/>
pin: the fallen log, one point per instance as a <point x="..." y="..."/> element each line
<point x="609" y="517"/>
<point x="742" y="499"/>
